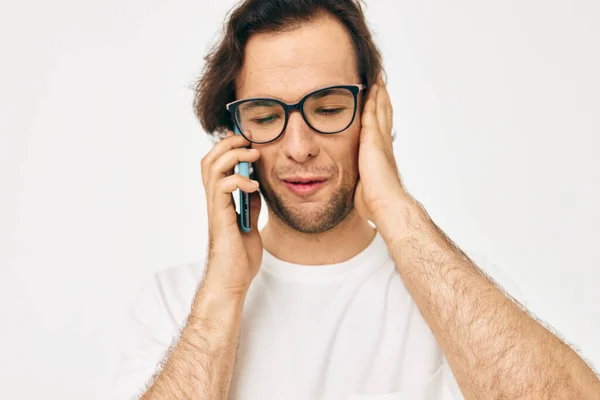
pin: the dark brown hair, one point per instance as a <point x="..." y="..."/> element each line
<point x="216" y="86"/>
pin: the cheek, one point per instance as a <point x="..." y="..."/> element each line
<point x="345" y="154"/>
<point x="263" y="165"/>
<point x="353" y="133"/>
<point x="353" y="144"/>
<point x="259" y="169"/>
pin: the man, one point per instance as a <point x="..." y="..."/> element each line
<point x="320" y="304"/>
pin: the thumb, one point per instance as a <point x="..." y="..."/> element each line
<point x="358" y="200"/>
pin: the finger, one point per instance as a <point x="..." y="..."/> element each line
<point x="384" y="112"/>
<point x="384" y="85"/>
<point x="369" y="117"/>
<point x="389" y="108"/>
<point x="232" y="204"/>
<point x="223" y="189"/>
<point x="229" y="143"/>
<point x="224" y="165"/>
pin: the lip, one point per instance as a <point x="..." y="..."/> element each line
<point x="304" y="179"/>
<point x="305" y="189"/>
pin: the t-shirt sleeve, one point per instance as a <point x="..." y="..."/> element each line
<point x="148" y="335"/>
<point x="501" y="278"/>
<point x="451" y="389"/>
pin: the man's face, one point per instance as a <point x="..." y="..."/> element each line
<point x="287" y="66"/>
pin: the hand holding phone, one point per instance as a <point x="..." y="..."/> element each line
<point x="234" y="254"/>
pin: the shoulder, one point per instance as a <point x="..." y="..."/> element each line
<point x="168" y="294"/>
<point x="156" y="317"/>
<point x="180" y="280"/>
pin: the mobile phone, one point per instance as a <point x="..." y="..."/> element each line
<point x="244" y="170"/>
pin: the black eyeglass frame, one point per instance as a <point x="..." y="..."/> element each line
<point x="287" y="107"/>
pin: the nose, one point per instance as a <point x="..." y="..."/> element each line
<point x="299" y="140"/>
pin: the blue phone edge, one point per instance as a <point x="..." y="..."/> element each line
<point x="244" y="170"/>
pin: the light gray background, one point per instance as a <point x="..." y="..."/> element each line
<point x="496" y="107"/>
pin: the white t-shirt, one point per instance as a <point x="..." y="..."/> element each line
<point x="346" y="331"/>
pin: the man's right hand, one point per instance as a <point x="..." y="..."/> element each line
<point x="234" y="257"/>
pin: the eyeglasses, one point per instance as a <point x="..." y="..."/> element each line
<point x="328" y="110"/>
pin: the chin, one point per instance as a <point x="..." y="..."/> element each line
<point x="314" y="216"/>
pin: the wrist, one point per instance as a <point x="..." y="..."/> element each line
<point x="228" y="282"/>
<point x="212" y="302"/>
<point x="401" y="219"/>
<point x="221" y="296"/>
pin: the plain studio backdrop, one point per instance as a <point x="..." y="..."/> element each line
<point x="496" y="107"/>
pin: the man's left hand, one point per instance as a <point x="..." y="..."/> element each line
<point x="379" y="191"/>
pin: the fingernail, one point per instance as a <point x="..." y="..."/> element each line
<point x="253" y="150"/>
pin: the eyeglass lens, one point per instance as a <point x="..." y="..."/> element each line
<point x="326" y="111"/>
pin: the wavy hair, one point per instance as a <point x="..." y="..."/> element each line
<point x="216" y="85"/>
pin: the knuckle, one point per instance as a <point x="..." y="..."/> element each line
<point x="204" y="164"/>
<point x="236" y="179"/>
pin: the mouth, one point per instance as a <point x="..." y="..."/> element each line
<point x="304" y="187"/>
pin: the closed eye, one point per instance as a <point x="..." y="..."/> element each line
<point x="329" y="111"/>
<point x="265" y="120"/>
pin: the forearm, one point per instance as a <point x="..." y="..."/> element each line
<point x="495" y="349"/>
<point x="200" y="366"/>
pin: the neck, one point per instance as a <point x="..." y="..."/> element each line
<point x="344" y="241"/>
